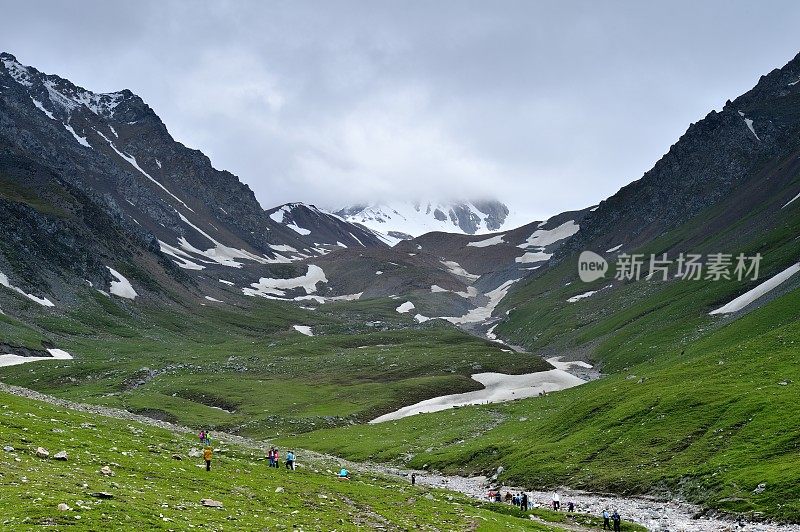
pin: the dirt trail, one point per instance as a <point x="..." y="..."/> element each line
<point x="656" y="515"/>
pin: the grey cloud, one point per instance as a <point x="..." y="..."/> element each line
<point x="546" y="105"/>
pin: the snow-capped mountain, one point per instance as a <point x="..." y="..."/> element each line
<point x="404" y="220"/>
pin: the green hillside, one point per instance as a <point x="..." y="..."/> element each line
<point x="708" y="419"/>
<point x="246" y="369"/>
<point x="150" y="489"/>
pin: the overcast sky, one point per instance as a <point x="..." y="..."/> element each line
<point x="547" y="106"/>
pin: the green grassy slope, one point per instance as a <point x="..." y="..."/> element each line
<point x="246" y="369"/>
<point x="151" y="490"/>
<point x="708" y="420"/>
<point x="634" y="321"/>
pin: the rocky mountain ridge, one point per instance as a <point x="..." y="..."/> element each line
<point x="113" y="155"/>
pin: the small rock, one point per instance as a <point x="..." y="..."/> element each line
<point x="500" y="469"/>
<point x="177" y="457"/>
<point x="8" y="449"/>
<point x="106" y="471"/>
<point x="61" y="455"/>
<point x="760" y="488"/>
<point x="63" y="507"/>
<point x="210" y="503"/>
<point x="102" y="495"/>
<point x="41" y="452"/>
<point x="279" y="489"/>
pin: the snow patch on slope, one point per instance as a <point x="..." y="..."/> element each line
<point x="749" y="123"/>
<point x="132" y="161"/>
<point x="492" y="241"/>
<point x="545" y="237"/>
<point x="533" y="256"/>
<point x="39" y="106"/>
<point x="790" y="201"/>
<point x="480" y="314"/>
<point x="498" y="387"/>
<point x="405" y="307"/>
<point x="456" y="269"/>
<point x="14" y="360"/>
<point x="221" y="253"/>
<point x="41" y="300"/>
<point x="277" y="287"/>
<point x="300" y="230"/>
<point x="121" y="287"/>
<point x="584" y="295"/>
<point x="19" y="72"/>
<point x="752" y="295"/>
<point x="303" y="329"/>
<point x="81" y="140"/>
<point x="180" y="257"/>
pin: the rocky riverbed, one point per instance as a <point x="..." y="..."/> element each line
<point x="658" y="516"/>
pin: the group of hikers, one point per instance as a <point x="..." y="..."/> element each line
<point x="208" y="453"/>
<point x="519" y="500"/>
<point x="274" y="457"/>
<point x="522" y="501"/>
<point x="615" y="518"/>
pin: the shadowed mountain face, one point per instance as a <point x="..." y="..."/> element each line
<point x="94" y="178"/>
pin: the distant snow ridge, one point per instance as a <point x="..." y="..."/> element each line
<point x="64" y="96"/>
<point x="402" y="220"/>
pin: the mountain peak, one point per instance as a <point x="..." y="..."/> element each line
<point x="406" y="219"/>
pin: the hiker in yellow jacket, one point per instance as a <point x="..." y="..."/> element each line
<point x="207" y="454"/>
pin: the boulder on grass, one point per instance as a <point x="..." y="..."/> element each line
<point x="41" y="452"/>
<point x="210" y="503"/>
<point x="61" y="455"/>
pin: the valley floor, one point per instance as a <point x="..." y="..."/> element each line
<point x="651" y="513"/>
